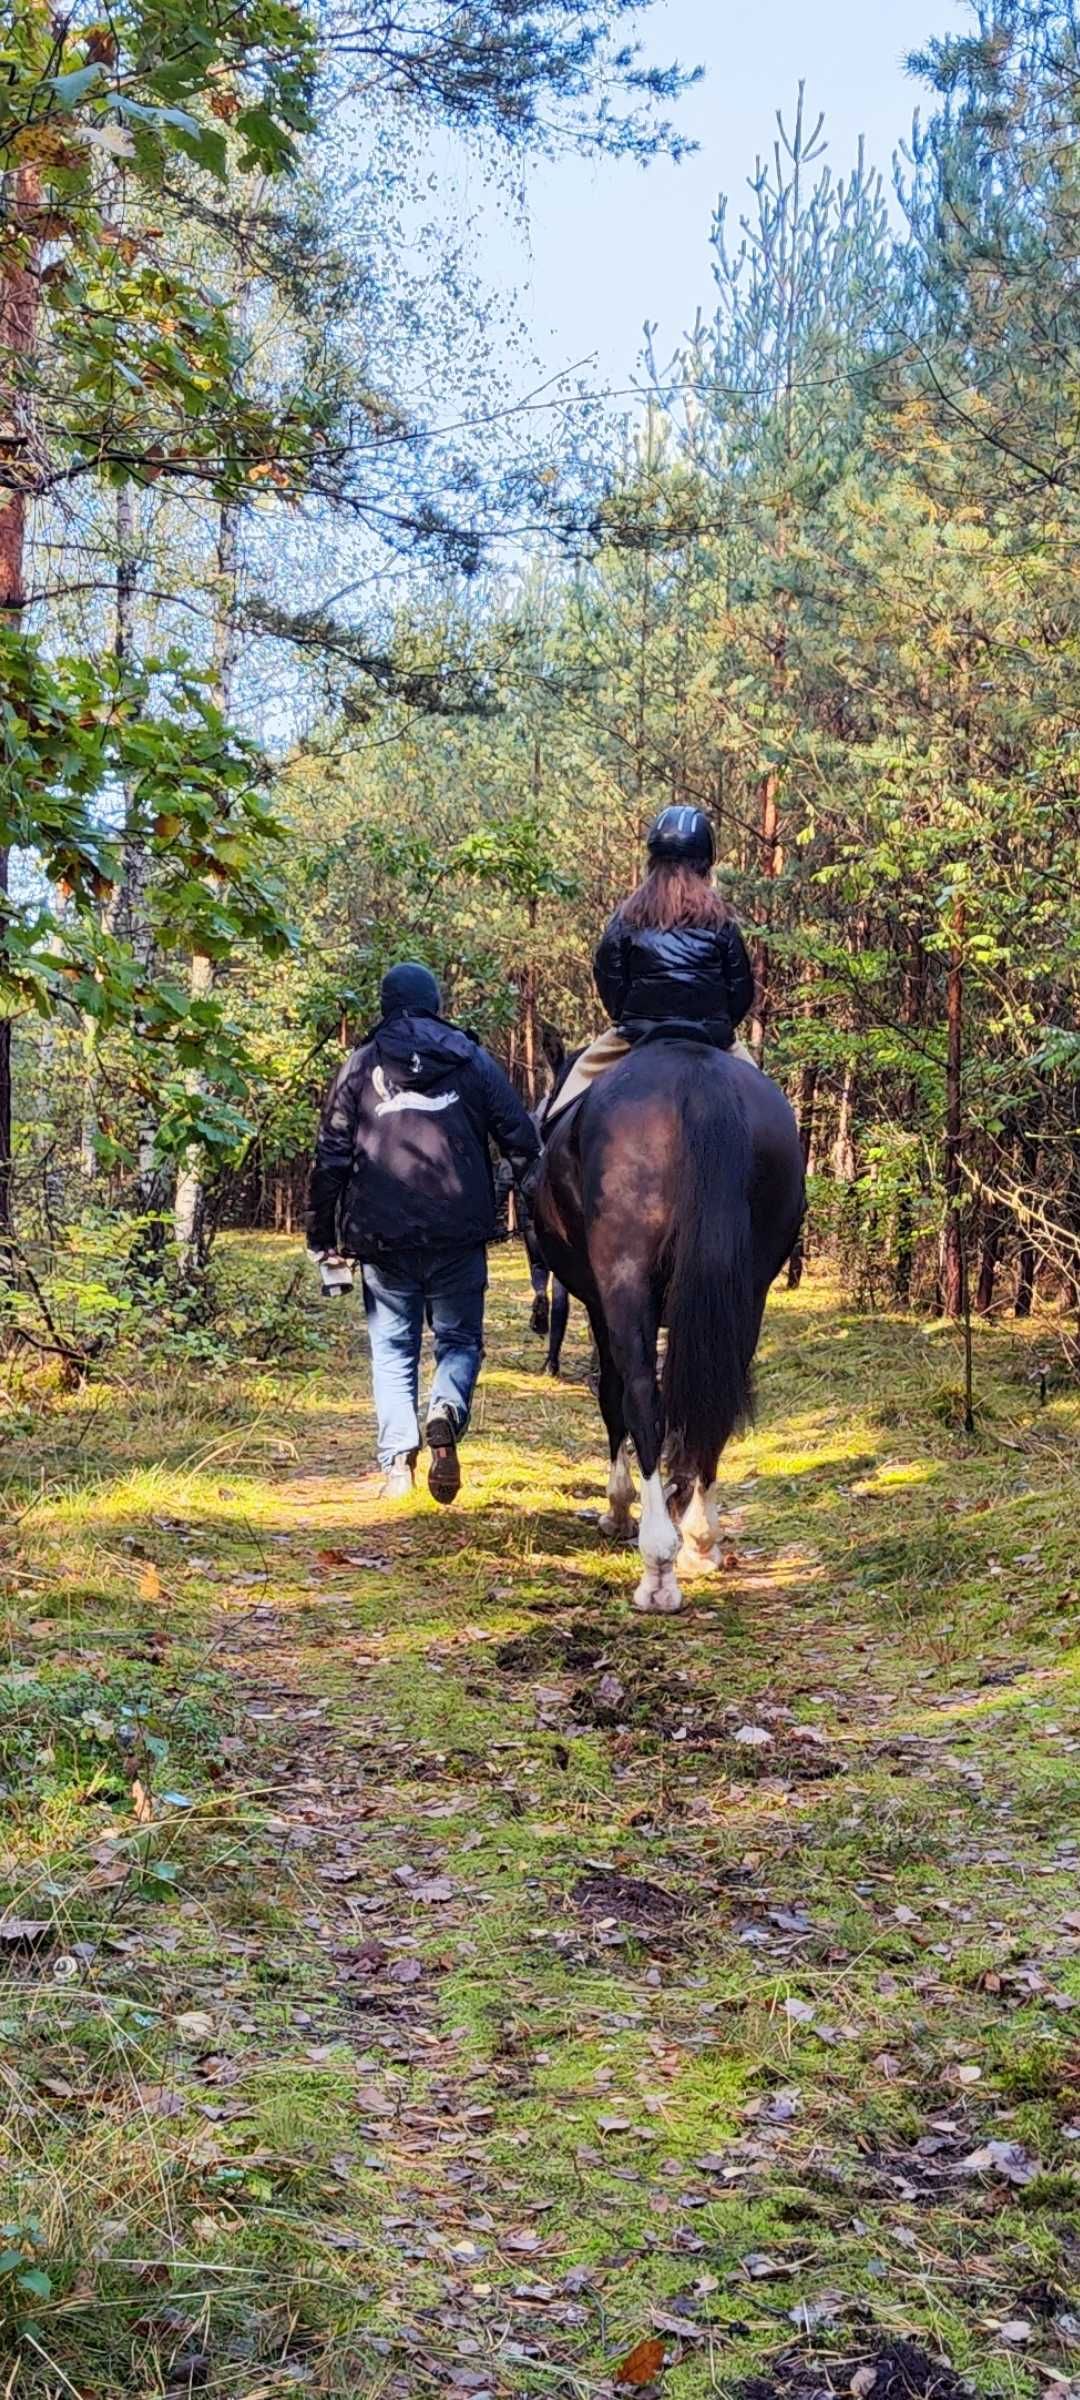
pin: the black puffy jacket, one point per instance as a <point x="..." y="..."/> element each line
<point x="402" y="1159"/>
<point x="695" y="975"/>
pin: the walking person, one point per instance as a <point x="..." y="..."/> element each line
<point x="402" y="1182"/>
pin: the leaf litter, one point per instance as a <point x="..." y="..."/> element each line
<point x="515" y="1965"/>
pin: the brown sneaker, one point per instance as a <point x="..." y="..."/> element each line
<point x="444" y="1473"/>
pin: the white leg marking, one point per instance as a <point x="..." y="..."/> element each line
<point x="702" y="1532"/>
<point x="621" y="1497"/>
<point x="658" y="1542"/>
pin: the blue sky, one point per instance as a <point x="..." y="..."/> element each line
<point x="608" y="244"/>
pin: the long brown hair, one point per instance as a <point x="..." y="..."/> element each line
<point x="673" y="894"/>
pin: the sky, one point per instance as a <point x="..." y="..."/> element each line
<point x="609" y="244"/>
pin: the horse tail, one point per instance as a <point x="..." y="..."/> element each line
<point x="712" y="1318"/>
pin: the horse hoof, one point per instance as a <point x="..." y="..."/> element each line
<point x="692" y="1561"/>
<point x="658" y="1595"/>
<point x="552" y="1368"/>
<point x="618" y="1529"/>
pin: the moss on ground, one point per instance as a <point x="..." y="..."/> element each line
<point x="419" y="1974"/>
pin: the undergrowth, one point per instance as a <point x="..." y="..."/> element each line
<point x="418" y="1974"/>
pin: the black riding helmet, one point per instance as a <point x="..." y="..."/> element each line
<point x="682" y="837"/>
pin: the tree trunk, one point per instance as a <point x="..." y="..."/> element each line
<point x="808" y="1083"/>
<point x="190" y="1206"/>
<point x="1026" y="1259"/>
<point x="769" y="867"/>
<point x="843" y="1161"/>
<point x="953" y="1271"/>
<point x="989" y="1256"/>
<point x="18" y="329"/>
<point x="914" y="990"/>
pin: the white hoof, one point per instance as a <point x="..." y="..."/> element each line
<point x="694" y="1561"/>
<point x="658" y="1593"/>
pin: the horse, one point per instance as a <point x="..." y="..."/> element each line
<point x="672" y="1193"/>
<point x="549" y="1315"/>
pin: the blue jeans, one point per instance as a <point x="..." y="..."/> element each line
<point x="445" y="1289"/>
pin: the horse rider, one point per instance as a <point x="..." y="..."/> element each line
<point x="402" y="1182"/>
<point x="672" y="962"/>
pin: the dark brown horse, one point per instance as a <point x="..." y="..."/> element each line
<point x="672" y="1194"/>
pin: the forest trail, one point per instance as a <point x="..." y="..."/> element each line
<point x="446" y="1981"/>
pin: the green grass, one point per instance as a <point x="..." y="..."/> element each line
<point x="392" y="2017"/>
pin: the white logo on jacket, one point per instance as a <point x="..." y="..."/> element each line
<point x="391" y="1104"/>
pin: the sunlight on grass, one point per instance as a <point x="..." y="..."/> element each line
<point x="504" y="1935"/>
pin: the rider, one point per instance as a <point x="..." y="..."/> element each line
<point x="672" y="961"/>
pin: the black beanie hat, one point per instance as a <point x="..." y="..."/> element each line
<point x="412" y="988"/>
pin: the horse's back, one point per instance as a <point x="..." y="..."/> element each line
<point x="623" y="1144"/>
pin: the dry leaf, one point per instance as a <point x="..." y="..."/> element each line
<point x="149" y="1583"/>
<point x="1006" y="2159"/>
<point x="25" y="1933"/>
<point x="643" y="2364"/>
<point x="195" y="2026"/>
<point x="141" y="1802"/>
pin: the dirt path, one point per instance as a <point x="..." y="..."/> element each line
<point x="540" y="1988"/>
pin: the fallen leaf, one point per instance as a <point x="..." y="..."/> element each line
<point x="781" y="2108"/>
<point x="194" y="2026"/>
<point x="753" y="1737"/>
<point x="760" y="2267"/>
<point x="1007" y="2159"/>
<point x="809" y="2314"/>
<point x="404" y="1970"/>
<point x="437" y="1889"/>
<point x="642" y="2364"/>
<point x="964" y="2074"/>
<point x="1015" y="2329"/>
<point x="141" y="1802"/>
<point x="862" y="2382"/>
<point x="149" y="1583"/>
<point x="799" y="2011"/>
<point x="25" y="1933"/>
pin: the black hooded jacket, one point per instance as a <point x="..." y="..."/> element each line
<point x="402" y="1159"/>
<point x="693" y="976"/>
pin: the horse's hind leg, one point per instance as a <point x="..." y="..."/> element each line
<point x="621" y="1495"/>
<point x="560" y="1316"/>
<point x="700" y="1530"/>
<point x="632" y="1330"/>
<point x="538" y="1277"/>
